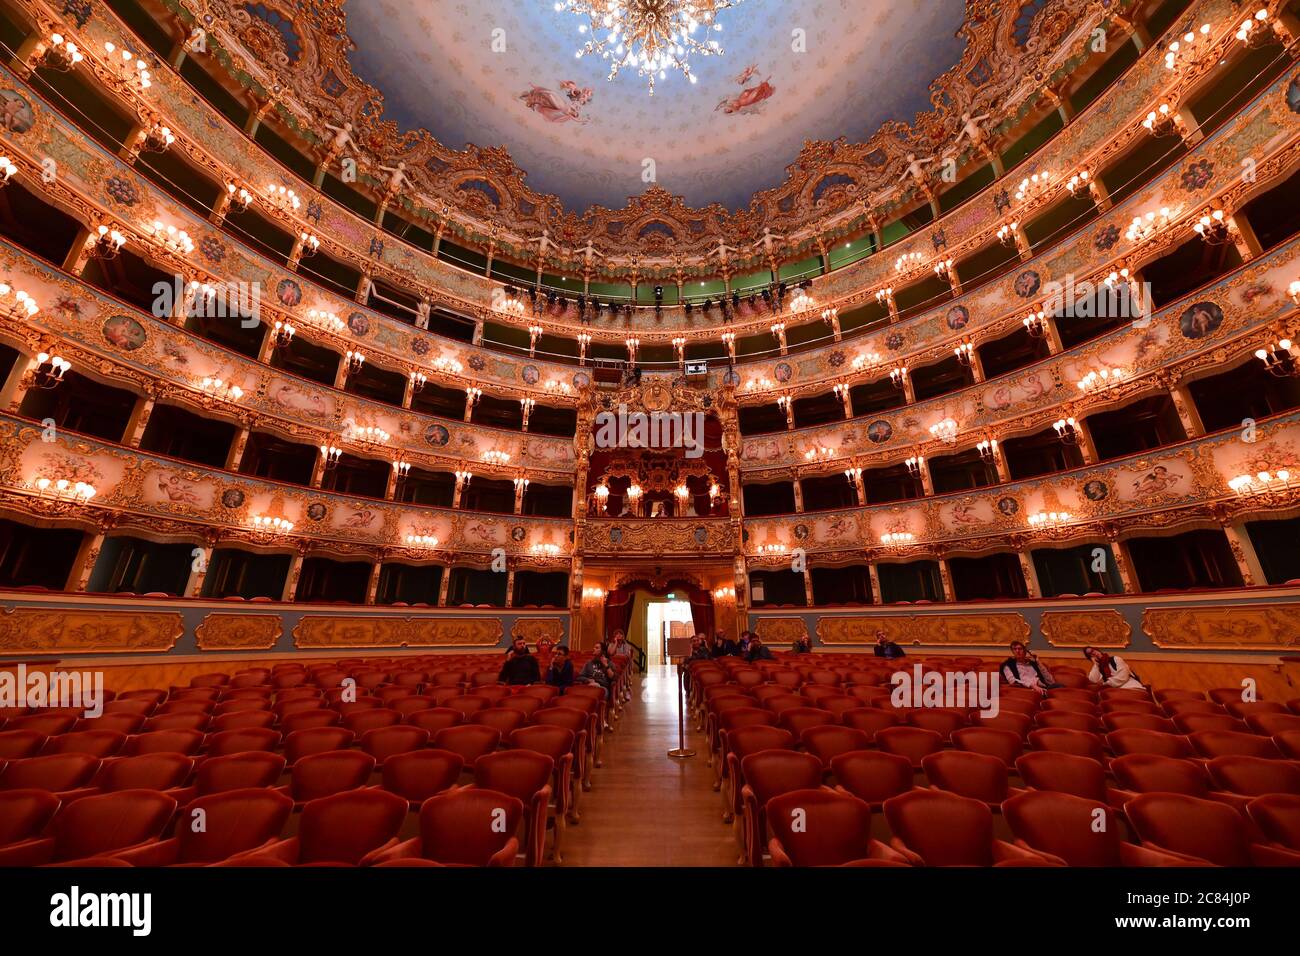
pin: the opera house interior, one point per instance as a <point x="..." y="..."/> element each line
<point x="650" y="433"/>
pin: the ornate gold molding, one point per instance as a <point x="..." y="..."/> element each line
<point x="983" y="630"/>
<point x="1100" y="628"/>
<point x="225" y="632"/>
<point x="329" y="631"/>
<point x="26" y="630"/>
<point x="781" y="630"/>
<point x="1239" y="626"/>
<point x="534" y="629"/>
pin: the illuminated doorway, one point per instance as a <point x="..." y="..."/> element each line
<point x="665" y="617"/>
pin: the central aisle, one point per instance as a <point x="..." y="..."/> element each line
<point x="645" y="808"/>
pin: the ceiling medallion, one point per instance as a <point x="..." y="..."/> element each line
<point x="650" y="36"/>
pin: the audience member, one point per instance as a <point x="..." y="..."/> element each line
<point x="560" y="673"/>
<point x="886" y="648"/>
<point x="802" y="645"/>
<point x="1111" y="670"/>
<point x="1023" y="669"/>
<point x="757" y="652"/>
<point x="520" y="666"/>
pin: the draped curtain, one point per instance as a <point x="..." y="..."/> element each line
<point x="619" y="604"/>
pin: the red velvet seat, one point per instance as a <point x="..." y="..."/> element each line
<point x="824" y="828"/>
<point x="57" y="773"/>
<point x="1134" y="741"/>
<point x="124" y="724"/>
<point x="1155" y="773"/>
<point x="364" y="720"/>
<point x="471" y="741"/>
<point x="942" y="720"/>
<point x="1060" y="740"/>
<point x="978" y="776"/>
<point x="95" y="826"/>
<point x="561" y="746"/>
<point x="156" y="771"/>
<point x="1003" y="744"/>
<point x="17" y="744"/>
<point x="936" y="828"/>
<point x="768" y="774"/>
<point x="465" y="703"/>
<point x="324" y="774"/>
<point x="384" y="742"/>
<point x="434" y="719"/>
<point x="740" y="743"/>
<point x="501" y="719"/>
<point x="873" y="776"/>
<point x="315" y="740"/>
<point x="1254" y="776"/>
<point x="798" y="719"/>
<point x="421" y="774"/>
<point x="826" y="742"/>
<point x="1201" y="723"/>
<point x="869" y="720"/>
<point x="1066" y="827"/>
<point x="341" y="829"/>
<point x="1226" y="743"/>
<point x="1124" y="720"/>
<point x="1017" y="723"/>
<point x="525" y="705"/>
<point x="526" y="776"/>
<point x="910" y="742"/>
<point x="239" y="771"/>
<point x="1288" y="743"/>
<point x="24" y="814"/>
<point x="1277" y="817"/>
<point x="1271" y="724"/>
<point x="309" y="720"/>
<point x="469" y="827"/>
<point x="234" y="822"/>
<point x="187" y="742"/>
<point x="1067" y="773"/>
<point x="1202" y="830"/>
<point x="254" y="739"/>
<point x="242" y="720"/>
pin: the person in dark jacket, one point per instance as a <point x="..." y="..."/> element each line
<point x="887" y="648"/>
<point x="560" y="673"/>
<point x="802" y="645"/>
<point x="700" y="648"/>
<point x="599" y="670"/>
<point x="757" y="652"/>
<point x="520" y="666"/>
<point x="723" y="647"/>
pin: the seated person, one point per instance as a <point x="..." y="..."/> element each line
<point x="560" y="673"/>
<point x="520" y="666"/>
<point x="1023" y="669"/>
<point x="1111" y="670"/>
<point x="802" y="645"/>
<point x="699" y="648"/>
<point x="600" y="669"/>
<point x="887" y="648"/>
<point x="723" y="646"/>
<point x="757" y="652"/>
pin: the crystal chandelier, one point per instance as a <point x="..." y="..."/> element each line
<point x="650" y="36"/>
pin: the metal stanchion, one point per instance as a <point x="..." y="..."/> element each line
<point x="682" y="751"/>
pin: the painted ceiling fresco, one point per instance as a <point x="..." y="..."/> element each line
<point x="586" y="139"/>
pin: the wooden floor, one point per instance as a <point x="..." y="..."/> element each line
<point x="646" y="808"/>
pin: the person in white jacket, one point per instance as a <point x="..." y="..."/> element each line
<point x="1110" y="670"/>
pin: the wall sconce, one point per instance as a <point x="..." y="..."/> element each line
<point x="546" y="550"/>
<point x="1100" y="378"/>
<point x="421" y="542"/>
<point x="885" y="296"/>
<point x="584" y="342"/>
<point x="1281" y="358"/>
<point x="7" y="171"/>
<point x="820" y="453"/>
<point x="158" y="140"/>
<point x="463" y="478"/>
<point x="239" y="196"/>
<point x="1033" y="186"/>
<point x="447" y="365"/>
<point x="865" y="360"/>
<point x="221" y="390"/>
<point x="1036" y="324"/>
<point x="108" y="243"/>
<point x="729" y="340"/>
<point x="945" y="431"/>
<point x="79" y="491"/>
<point x="1261" y="482"/>
<point x="1117" y="278"/>
<point x="898" y="376"/>
<point x="914" y="465"/>
<point x="16" y="303"/>
<point x="1183" y="54"/>
<point x="602" y="497"/>
<point x="783" y="401"/>
<point x="49" y="370"/>
<point x="1144" y="227"/>
<point x="1067" y="430"/>
<point x="1293" y="290"/>
<point x="496" y="457"/>
<point x="1257" y="31"/>
<point x="634" y="491"/>
<point x="270" y="526"/>
<point x="355" y="361"/>
<point x="283" y="334"/>
<point x="310" y="245"/>
<point x="329" y="322"/>
<point x="171" y="239"/>
<point x="418" y="381"/>
<point x="62" y="54"/>
<point x="593" y="594"/>
<point x="943" y="268"/>
<point x="368" y="435"/>
<point x="682" y="493"/>
<point x="1007" y="233"/>
<point x="401" y="469"/>
<point x="534" y="333"/>
<point x="897" y="538"/>
<point x="831" y="317"/>
<point x="679" y="347"/>
<point x="965" y="353"/>
<point x="1080" y="180"/>
<point x="908" y="262"/>
<point x="1046" y="518"/>
<point x="632" y="346"/>
<point x="1214" y="227"/>
<point x="1163" y="121"/>
<point x="330" y="454"/>
<point x="555" y="387"/>
<point x="283" y="197"/>
<point x="128" y="71"/>
<point x="521" y="485"/>
<point x="988" y="449"/>
<point x="802" y="301"/>
<point x="854" y="475"/>
<point x="724" y="594"/>
<point x="472" y="395"/>
<point x="771" y="549"/>
<point x="841" y="390"/>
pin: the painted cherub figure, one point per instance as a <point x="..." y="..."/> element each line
<point x="721" y="251"/>
<point x="397" y="177"/>
<point x="916" y="169"/>
<point x="971" y="130"/>
<point x="342" y="137"/>
<point x="768" y="240"/>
